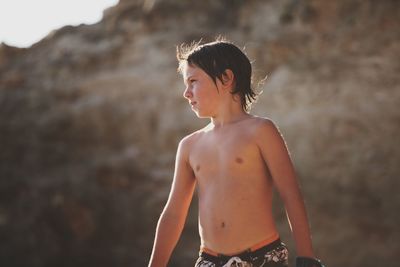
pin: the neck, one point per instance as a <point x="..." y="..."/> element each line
<point x="229" y="116"/>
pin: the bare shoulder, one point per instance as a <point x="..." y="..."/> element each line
<point x="265" y="131"/>
<point x="270" y="139"/>
<point x="263" y="125"/>
<point x="187" y="142"/>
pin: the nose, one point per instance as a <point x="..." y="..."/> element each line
<point x="187" y="93"/>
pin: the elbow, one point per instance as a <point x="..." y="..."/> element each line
<point x="172" y="215"/>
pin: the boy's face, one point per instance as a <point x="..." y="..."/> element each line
<point x="201" y="91"/>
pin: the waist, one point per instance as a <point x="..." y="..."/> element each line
<point x="272" y="240"/>
<point x="249" y="255"/>
<point x="236" y="231"/>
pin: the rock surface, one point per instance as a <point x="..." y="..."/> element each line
<point x="90" y="118"/>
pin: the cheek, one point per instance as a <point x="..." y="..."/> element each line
<point x="212" y="96"/>
<point x="199" y="92"/>
<point x="205" y="91"/>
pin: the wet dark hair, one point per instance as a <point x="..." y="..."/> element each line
<point x="214" y="59"/>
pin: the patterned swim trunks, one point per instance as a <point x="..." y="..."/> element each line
<point x="274" y="254"/>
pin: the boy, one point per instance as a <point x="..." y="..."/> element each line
<point x="235" y="161"/>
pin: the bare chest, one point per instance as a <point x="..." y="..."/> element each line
<point x="219" y="157"/>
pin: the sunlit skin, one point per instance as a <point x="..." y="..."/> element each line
<point x="235" y="161"/>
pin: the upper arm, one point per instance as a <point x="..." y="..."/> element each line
<point x="184" y="181"/>
<point x="276" y="156"/>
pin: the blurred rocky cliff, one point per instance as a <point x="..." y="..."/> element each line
<point x="90" y="118"/>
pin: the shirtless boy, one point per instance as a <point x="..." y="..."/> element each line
<point x="235" y="161"/>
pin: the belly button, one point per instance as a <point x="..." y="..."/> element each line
<point x="223" y="224"/>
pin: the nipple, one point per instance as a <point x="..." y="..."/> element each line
<point x="239" y="160"/>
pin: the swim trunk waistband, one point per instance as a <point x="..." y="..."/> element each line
<point x="264" y="253"/>
<point x="270" y="242"/>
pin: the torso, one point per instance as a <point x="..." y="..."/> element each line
<point x="234" y="187"/>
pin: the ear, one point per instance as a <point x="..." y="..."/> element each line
<point x="228" y="78"/>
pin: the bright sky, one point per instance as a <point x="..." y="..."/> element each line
<point x="25" y="22"/>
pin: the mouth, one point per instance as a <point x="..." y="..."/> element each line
<point x="193" y="103"/>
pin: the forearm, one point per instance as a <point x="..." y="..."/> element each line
<point x="169" y="229"/>
<point x="298" y="221"/>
